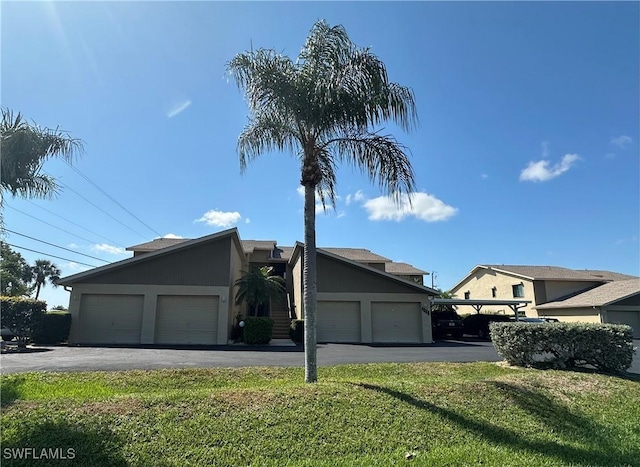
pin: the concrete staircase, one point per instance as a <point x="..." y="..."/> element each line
<point x="280" y="317"/>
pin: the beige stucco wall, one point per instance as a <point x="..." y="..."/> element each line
<point x="296" y="274"/>
<point x="150" y="293"/>
<point x="573" y="315"/>
<point x="559" y="289"/>
<point x="481" y="283"/>
<point x="366" y="299"/>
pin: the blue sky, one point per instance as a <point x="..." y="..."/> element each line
<point x="526" y="151"/>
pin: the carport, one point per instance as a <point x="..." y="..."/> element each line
<point x="477" y="305"/>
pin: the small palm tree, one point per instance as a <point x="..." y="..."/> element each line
<point x="258" y="287"/>
<point x="44" y="270"/>
<point x="322" y="108"/>
<point x="24" y="149"/>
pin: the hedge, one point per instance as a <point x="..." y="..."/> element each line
<point x="296" y="330"/>
<point x="258" y="330"/>
<point x="21" y="315"/>
<point x="53" y="329"/>
<point x="607" y="347"/>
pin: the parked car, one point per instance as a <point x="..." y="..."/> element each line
<point x="7" y="334"/>
<point x="532" y="320"/>
<point x="551" y="320"/>
<point x="446" y="322"/>
<point x="478" y="324"/>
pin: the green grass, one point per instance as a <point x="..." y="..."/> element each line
<point x="440" y="414"/>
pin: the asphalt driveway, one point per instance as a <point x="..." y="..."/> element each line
<point x="62" y="358"/>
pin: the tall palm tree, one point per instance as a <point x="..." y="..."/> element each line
<point x="258" y="287"/>
<point x="24" y="148"/>
<point x="322" y="108"/>
<point x="44" y="270"/>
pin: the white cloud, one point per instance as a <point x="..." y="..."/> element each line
<point x="178" y="108"/>
<point x="621" y="141"/>
<point x="73" y="246"/>
<point x="423" y="206"/>
<point x="357" y="196"/>
<point x="247" y="221"/>
<point x="484" y="176"/>
<point x="73" y="268"/>
<point x="541" y="171"/>
<point x="220" y="218"/>
<point x="110" y="249"/>
<point x="170" y="235"/>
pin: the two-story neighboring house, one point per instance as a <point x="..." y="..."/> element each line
<point x="549" y="289"/>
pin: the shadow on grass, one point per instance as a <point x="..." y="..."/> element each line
<point x="10" y="389"/>
<point x="63" y="443"/>
<point x="558" y="418"/>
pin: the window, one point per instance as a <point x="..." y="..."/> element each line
<point x="467" y="295"/>
<point x="518" y="290"/>
<point x="494" y="292"/>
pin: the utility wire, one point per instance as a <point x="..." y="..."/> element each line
<point x="56" y="246"/>
<point x="77" y="225"/>
<point x="52" y="256"/>
<point x="51" y="225"/>
<point x="99" y="208"/>
<point x="75" y="169"/>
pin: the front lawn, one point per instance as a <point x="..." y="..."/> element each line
<point x="382" y="414"/>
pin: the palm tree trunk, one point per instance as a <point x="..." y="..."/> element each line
<point x="310" y="297"/>
<point x="37" y="290"/>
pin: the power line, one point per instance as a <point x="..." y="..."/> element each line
<point x="51" y="256"/>
<point x="111" y="198"/>
<point x="99" y="208"/>
<point x="51" y="225"/>
<point x="56" y="246"/>
<point x="77" y="225"/>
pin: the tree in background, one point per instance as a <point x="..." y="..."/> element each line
<point x="15" y="273"/>
<point x="322" y="108"/>
<point x="24" y="148"/>
<point x="44" y="271"/>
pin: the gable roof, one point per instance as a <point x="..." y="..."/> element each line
<point x="361" y="255"/>
<point x="157" y="243"/>
<point x="549" y="273"/>
<point x="403" y="269"/>
<point x="602" y="295"/>
<point x="326" y="252"/>
<point x="185" y="243"/>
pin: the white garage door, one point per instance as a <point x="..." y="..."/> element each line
<point x="396" y="322"/>
<point x="338" y="322"/>
<point x="184" y="319"/>
<point x="109" y="319"/>
<point x="632" y="318"/>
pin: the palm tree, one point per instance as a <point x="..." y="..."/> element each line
<point x="24" y="149"/>
<point x="258" y="287"/>
<point x="322" y="108"/>
<point x="44" y="270"/>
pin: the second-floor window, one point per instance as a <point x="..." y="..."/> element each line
<point x="467" y="295"/>
<point x="494" y="292"/>
<point x="518" y="290"/>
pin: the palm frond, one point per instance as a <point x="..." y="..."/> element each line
<point x="380" y="157"/>
<point x="266" y="132"/>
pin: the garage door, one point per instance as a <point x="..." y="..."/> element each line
<point x="182" y="319"/>
<point x="109" y="319"/>
<point x="338" y="322"/>
<point x="632" y="318"/>
<point x="396" y="322"/>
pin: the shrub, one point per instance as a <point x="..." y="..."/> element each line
<point x="258" y="330"/>
<point x="607" y="347"/>
<point x="296" y="330"/>
<point x="21" y="315"/>
<point x="53" y="328"/>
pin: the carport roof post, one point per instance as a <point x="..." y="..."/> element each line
<point x="477" y="305"/>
